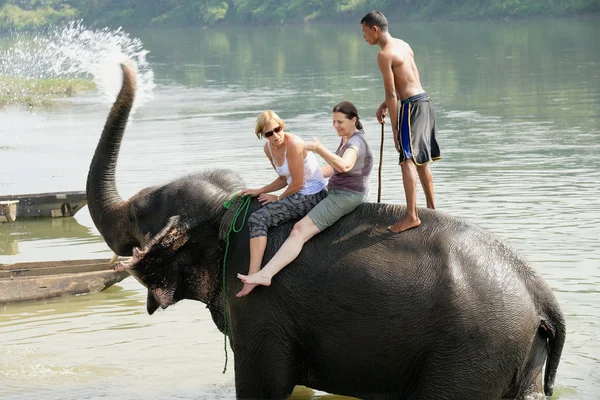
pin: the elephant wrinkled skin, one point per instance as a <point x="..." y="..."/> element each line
<point x="443" y="311"/>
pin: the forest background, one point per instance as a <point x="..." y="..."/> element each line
<point x="35" y="14"/>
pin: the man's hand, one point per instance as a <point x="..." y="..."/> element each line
<point x="396" y="139"/>
<point x="381" y="113"/>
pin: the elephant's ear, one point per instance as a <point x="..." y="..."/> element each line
<point x="158" y="250"/>
<point x="152" y="266"/>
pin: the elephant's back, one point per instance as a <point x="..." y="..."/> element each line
<point x="441" y="238"/>
<point x="445" y="268"/>
<point x="444" y="251"/>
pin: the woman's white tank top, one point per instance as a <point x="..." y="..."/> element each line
<point x="314" y="181"/>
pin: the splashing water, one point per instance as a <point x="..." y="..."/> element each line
<point x="75" y="51"/>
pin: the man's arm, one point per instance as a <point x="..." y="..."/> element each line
<point x="391" y="98"/>
<point x="381" y="112"/>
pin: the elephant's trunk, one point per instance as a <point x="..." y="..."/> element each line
<point x="106" y="206"/>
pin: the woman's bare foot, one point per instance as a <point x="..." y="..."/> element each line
<point x="405" y="224"/>
<point x="253" y="280"/>
<point x="245" y="290"/>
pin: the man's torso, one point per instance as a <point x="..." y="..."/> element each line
<point x="406" y="74"/>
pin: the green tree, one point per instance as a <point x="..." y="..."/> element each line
<point x="31" y="14"/>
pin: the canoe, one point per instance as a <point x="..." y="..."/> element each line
<point x="55" y="204"/>
<point x="48" y="279"/>
<point x="8" y="210"/>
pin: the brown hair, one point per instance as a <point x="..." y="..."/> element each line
<point x="350" y="111"/>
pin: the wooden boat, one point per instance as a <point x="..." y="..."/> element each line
<point x="56" y="204"/>
<point x="48" y="279"/>
<point x="8" y="210"/>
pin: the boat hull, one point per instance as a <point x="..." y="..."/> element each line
<point x="56" y="204"/>
<point x="45" y="280"/>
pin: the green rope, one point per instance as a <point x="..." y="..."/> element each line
<point x="243" y="206"/>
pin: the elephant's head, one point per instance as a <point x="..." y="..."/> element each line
<point x="156" y="267"/>
<point x="179" y="263"/>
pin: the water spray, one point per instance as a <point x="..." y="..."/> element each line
<point x="75" y="51"/>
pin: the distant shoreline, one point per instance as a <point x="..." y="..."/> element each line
<point x="131" y="16"/>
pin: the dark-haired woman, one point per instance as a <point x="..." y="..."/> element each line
<point x="348" y="187"/>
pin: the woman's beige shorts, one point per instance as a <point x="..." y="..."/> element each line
<point x="333" y="207"/>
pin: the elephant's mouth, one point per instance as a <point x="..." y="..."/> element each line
<point x="158" y="298"/>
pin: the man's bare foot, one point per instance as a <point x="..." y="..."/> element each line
<point x="254" y="279"/>
<point x="405" y="224"/>
<point x="245" y="290"/>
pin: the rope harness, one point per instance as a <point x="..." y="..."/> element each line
<point x="231" y="223"/>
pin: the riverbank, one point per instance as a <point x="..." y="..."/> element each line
<point x="39" y="92"/>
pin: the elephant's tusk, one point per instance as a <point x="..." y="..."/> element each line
<point x="113" y="259"/>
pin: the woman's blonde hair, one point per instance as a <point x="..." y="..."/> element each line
<point x="263" y="119"/>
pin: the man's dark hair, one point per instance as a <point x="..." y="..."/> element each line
<point x="375" y="18"/>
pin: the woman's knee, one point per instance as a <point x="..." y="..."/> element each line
<point x="257" y="226"/>
<point x="296" y="230"/>
<point x="305" y="228"/>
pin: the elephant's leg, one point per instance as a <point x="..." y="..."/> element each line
<point x="530" y="378"/>
<point x="265" y="368"/>
<point x="449" y="379"/>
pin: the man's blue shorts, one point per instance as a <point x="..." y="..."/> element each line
<point x="416" y="125"/>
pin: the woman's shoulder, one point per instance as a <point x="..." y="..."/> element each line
<point x="360" y="135"/>
<point x="266" y="149"/>
<point x="357" y="139"/>
<point x="294" y="141"/>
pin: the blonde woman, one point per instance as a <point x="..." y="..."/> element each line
<point x="298" y="172"/>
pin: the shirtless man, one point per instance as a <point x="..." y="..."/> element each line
<point x="411" y="113"/>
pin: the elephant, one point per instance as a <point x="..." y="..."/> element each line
<point x="442" y="311"/>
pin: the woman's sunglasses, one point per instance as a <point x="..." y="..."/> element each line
<point x="268" y="134"/>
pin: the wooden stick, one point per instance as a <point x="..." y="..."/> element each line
<point x="380" y="165"/>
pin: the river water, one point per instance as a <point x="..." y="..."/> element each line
<point x="518" y="113"/>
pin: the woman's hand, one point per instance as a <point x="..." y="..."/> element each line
<point x="250" y="192"/>
<point x="266" y="198"/>
<point x="312" y="146"/>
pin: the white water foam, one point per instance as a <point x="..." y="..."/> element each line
<point x="75" y="51"/>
